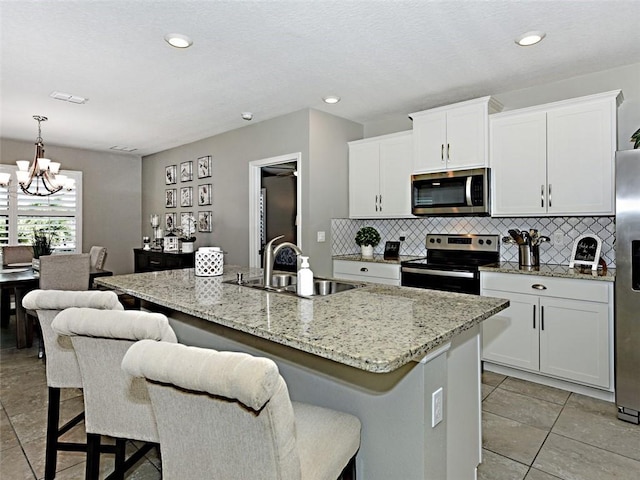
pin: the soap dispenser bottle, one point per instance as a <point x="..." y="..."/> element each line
<point x="305" y="278"/>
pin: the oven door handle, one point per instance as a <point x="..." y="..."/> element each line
<point x="438" y="273"/>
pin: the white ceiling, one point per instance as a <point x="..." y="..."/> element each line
<point x="274" y="57"/>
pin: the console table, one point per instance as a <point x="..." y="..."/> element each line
<point x="153" y="260"/>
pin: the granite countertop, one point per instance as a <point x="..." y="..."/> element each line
<point x="376" y="328"/>
<point x="550" y="270"/>
<point x="356" y="257"/>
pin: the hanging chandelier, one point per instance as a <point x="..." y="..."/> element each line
<point x="41" y="178"/>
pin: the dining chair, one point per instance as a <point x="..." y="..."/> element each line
<point x="62" y="366"/>
<point x="13" y="255"/>
<point x="98" y="256"/>
<point x="115" y="404"/>
<point x="251" y="429"/>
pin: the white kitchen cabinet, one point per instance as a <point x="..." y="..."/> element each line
<point x="453" y="137"/>
<point x="380" y="176"/>
<point x="386" y="273"/>
<point x="554" y="326"/>
<point x="555" y="159"/>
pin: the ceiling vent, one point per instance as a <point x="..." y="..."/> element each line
<point x="67" y="97"/>
<point x="120" y="148"/>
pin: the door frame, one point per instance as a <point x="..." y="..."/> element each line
<point x="254" y="201"/>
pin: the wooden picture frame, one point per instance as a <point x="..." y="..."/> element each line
<point x="171" y="198"/>
<point x="204" y="194"/>
<point x="186" y="197"/>
<point x="171" y="175"/>
<point x="204" y="222"/>
<point x="186" y="171"/>
<point x="204" y="166"/>
<point x="586" y="251"/>
<point x="170" y="221"/>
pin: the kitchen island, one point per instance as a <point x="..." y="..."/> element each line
<point x="377" y="352"/>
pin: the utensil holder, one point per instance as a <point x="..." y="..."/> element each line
<point x="208" y="263"/>
<point x="529" y="255"/>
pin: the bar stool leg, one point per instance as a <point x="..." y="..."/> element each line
<point x="53" y="418"/>
<point x="92" y="471"/>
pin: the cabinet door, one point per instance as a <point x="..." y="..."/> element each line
<point x="518" y="164"/>
<point x="430" y="142"/>
<point x="364" y="180"/>
<point x="581" y="147"/>
<point x="574" y="340"/>
<point x="396" y="162"/>
<point x="467" y="137"/>
<point x="511" y="336"/>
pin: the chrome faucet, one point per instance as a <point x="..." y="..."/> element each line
<point x="270" y="253"/>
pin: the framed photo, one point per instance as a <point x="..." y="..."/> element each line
<point x="186" y="197"/>
<point x="204" y="194"/>
<point x="170" y="221"/>
<point x="171" y="198"/>
<point x="204" y="222"/>
<point x="185" y="221"/>
<point x="204" y="167"/>
<point x="586" y="251"/>
<point x="171" y="175"/>
<point x="186" y="171"/>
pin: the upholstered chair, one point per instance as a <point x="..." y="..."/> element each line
<point x="115" y="404"/>
<point x="62" y="366"/>
<point x="228" y="415"/>
<point x="12" y="254"/>
<point x="98" y="257"/>
<point x="65" y="272"/>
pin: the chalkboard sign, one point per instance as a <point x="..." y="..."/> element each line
<point x="392" y="250"/>
<point x="586" y="251"/>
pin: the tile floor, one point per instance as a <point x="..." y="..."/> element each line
<point x="530" y="431"/>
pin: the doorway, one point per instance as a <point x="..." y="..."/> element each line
<point x="275" y="207"/>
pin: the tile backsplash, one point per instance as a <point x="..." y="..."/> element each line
<point x="343" y="232"/>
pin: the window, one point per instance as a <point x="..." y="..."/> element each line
<point x="60" y="214"/>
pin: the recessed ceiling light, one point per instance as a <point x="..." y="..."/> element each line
<point x="67" y="97"/>
<point x="247" y="116"/>
<point x="331" y="99"/>
<point x="122" y="148"/>
<point x="178" y="40"/>
<point x="530" y="38"/>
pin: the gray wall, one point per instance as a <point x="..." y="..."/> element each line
<point x="111" y="196"/>
<point x="321" y="139"/>
<point x="626" y="78"/>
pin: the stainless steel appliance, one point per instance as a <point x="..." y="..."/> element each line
<point x="627" y="289"/>
<point x="452" y="263"/>
<point x="462" y="192"/>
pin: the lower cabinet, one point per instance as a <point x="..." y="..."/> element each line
<point x="554" y="326"/>
<point x="153" y="260"/>
<point x="386" y="273"/>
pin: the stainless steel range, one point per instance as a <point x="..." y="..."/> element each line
<point x="452" y="263"/>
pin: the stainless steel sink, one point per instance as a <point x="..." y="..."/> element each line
<point x="286" y="283"/>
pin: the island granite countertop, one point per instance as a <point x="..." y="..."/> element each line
<point x="550" y="270"/>
<point x="376" y="328"/>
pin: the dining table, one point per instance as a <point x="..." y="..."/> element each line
<point x="20" y="279"/>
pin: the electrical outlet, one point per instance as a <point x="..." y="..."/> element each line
<point x="436" y="407"/>
<point x="558" y="238"/>
<point x="321" y="237"/>
<point x="403" y="236"/>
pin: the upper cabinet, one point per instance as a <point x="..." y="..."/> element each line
<point x="453" y="137"/>
<point x="380" y="176"/>
<point x="555" y="159"/>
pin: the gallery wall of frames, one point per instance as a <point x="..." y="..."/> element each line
<point x="188" y="194"/>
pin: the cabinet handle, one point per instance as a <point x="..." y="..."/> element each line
<point x="364" y="269"/>
<point x="538" y="286"/>
<point x="448" y="154"/>
<point x="380" y="202"/>
<point x="542" y="318"/>
<point x="542" y="196"/>
<point x="442" y="152"/>
<point x="534" y="317"/>
<point x="549" y="195"/>
<point x="376" y="203"/>
<point x="154" y="262"/>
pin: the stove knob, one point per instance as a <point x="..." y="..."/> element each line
<point x="439" y="240"/>
<point x="431" y="240"/>
<point x="489" y="242"/>
<point x="481" y="242"/>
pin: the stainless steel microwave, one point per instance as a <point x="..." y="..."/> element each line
<point x="461" y="192"/>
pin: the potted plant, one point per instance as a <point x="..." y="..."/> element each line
<point x="186" y="234"/>
<point x="635" y="138"/>
<point x="367" y="238"/>
<point x="42" y="245"/>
